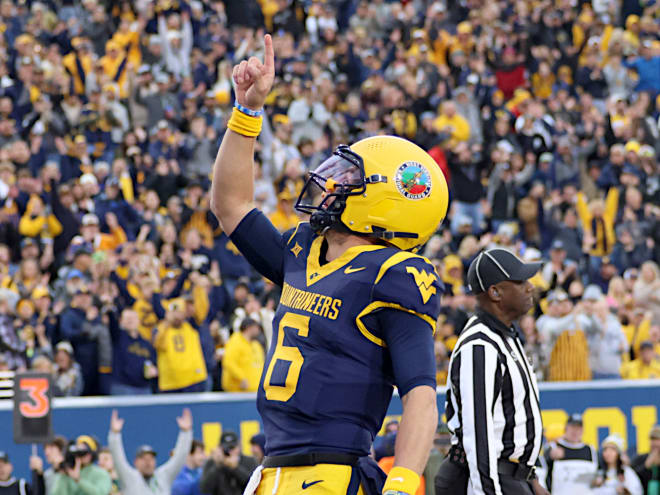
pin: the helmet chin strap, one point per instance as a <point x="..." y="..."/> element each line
<point x="323" y="220"/>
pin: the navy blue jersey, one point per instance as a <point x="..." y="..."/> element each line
<point x="329" y="373"/>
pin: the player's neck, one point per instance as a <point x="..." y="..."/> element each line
<point x="339" y="242"/>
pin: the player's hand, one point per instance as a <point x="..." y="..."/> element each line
<point x="116" y="423"/>
<point x="253" y="80"/>
<point x="185" y="421"/>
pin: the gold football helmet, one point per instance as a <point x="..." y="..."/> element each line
<point x="384" y="187"/>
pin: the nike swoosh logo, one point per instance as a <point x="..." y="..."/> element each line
<point x="306" y="485"/>
<point x="350" y="269"/>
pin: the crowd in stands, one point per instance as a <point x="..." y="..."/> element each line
<point x="83" y="465"/>
<point x="116" y="278"/>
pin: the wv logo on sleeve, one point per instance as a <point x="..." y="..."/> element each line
<point x="424" y="282"/>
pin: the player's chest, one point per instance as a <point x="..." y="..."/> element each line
<point x="334" y="298"/>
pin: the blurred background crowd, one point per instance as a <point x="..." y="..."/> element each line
<point x="116" y="278"/>
<point x="83" y="465"/>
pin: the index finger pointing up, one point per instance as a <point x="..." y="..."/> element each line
<point x="269" y="55"/>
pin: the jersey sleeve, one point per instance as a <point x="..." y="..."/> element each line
<point x="405" y="304"/>
<point x="262" y="245"/>
<point x="409" y="283"/>
<point x="410" y="345"/>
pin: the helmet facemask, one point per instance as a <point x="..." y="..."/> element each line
<point x="324" y="195"/>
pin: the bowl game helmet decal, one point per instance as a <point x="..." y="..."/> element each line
<point x="413" y="180"/>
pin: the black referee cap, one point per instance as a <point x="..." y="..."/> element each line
<point x="493" y="266"/>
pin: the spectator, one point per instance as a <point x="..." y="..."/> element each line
<point x="563" y="332"/>
<point x="180" y="360"/>
<point x="145" y="478"/>
<point x="615" y="476"/>
<point x="646" y="366"/>
<point x="9" y="484"/>
<point x="46" y="479"/>
<point x="160" y="104"/>
<point x="598" y="223"/>
<point x="80" y="474"/>
<point x="82" y="325"/>
<point x="67" y="373"/>
<point x="106" y="462"/>
<point x="133" y="357"/>
<point x="559" y="272"/>
<point x="13" y="349"/>
<point x="571" y="464"/>
<point x="607" y="342"/>
<point x="308" y="117"/>
<point x="590" y="76"/>
<point x="176" y="43"/>
<point x="199" y="149"/>
<point x="227" y="471"/>
<point x="645" y="290"/>
<point x="187" y="481"/>
<point x="284" y="217"/>
<point x="243" y="361"/>
<point x="452" y="124"/>
<point x="647" y="466"/>
<point x="647" y="68"/>
<point x="468" y="190"/>
<point x="534" y="346"/>
<point x="510" y="72"/>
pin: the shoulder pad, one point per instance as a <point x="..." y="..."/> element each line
<point x="300" y="232"/>
<point x="409" y="281"/>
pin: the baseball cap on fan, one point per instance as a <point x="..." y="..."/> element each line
<point x="145" y="449"/>
<point x="574" y="419"/>
<point x="228" y="440"/>
<point x="498" y="265"/>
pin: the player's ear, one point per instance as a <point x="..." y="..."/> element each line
<point x="493" y="293"/>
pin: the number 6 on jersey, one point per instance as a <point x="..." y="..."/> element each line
<point x="283" y="354"/>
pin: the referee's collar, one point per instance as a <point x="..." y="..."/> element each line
<point x="495" y="324"/>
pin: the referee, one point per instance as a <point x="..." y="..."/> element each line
<point x="493" y="403"/>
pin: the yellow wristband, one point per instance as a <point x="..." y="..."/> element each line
<point x="244" y="124"/>
<point x="403" y="480"/>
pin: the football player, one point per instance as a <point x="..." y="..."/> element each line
<point x="358" y="307"/>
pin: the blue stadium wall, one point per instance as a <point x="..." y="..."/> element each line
<point x="627" y="408"/>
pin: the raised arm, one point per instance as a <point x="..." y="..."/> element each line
<point x="232" y="190"/>
<point x="127" y="473"/>
<point x="173" y="466"/>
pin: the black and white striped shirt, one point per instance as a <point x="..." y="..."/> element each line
<point x="492" y="402"/>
